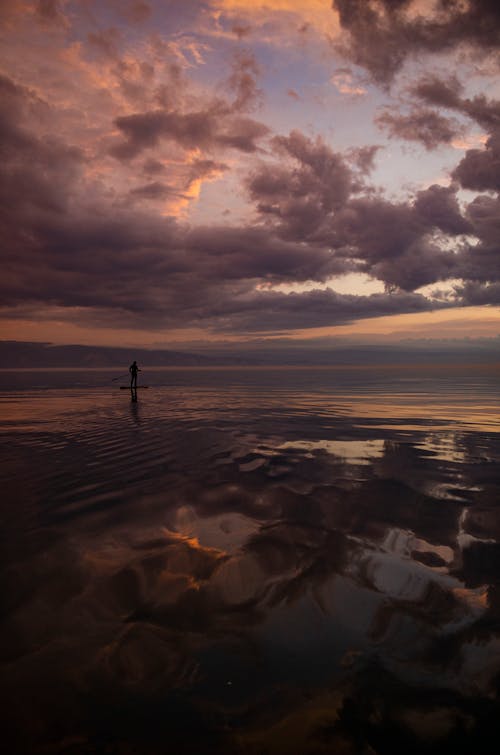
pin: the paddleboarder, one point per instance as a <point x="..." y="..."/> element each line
<point x="133" y="369"/>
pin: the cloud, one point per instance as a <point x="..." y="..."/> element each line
<point x="277" y="20"/>
<point x="135" y="11"/>
<point x="446" y="93"/>
<point x="344" y="82"/>
<point x="438" y="207"/>
<point x="302" y="191"/>
<point x="218" y="126"/>
<point x="243" y="82"/>
<point x="243" y="134"/>
<point x="480" y="263"/>
<point x="106" y="42"/>
<point x="36" y="171"/>
<point x="74" y="244"/>
<point x="364" y="157"/>
<point x="480" y="168"/>
<point x="382" y="34"/>
<point x="473" y="293"/>
<point x="241" y="30"/>
<point x="146" y="130"/>
<point x="153" y="190"/>
<point x="437" y="91"/>
<point x="394" y="241"/>
<point x="86" y="226"/>
<point x="274" y="311"/>
<point x="421" y="263"/>
<point x="192" y="121"/>
<point x="51" y="12"/>
<point x="137" y="268"/>
<point x="421" y="125"/>
<point x="310" y="195"/>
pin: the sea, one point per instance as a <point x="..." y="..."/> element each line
<point x="251" y="561"/>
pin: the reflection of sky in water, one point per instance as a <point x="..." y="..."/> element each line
<point x="266" y="569"/>
<point x="227" y="531"/>
<point x="353" y="451"/>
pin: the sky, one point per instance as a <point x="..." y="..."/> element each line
<point x="226" y="171"/>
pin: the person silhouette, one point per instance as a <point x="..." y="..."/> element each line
<point x="133" y="369"/>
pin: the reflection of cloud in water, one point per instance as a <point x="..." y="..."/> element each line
<point x="405" y="544"/>
<point x="352" y="451"/>
<point x="344" y="579"/>
<point x="452" y="446"/>
<point x="226" y="531"/>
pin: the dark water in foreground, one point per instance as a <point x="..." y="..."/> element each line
<point x="251" y="561"/>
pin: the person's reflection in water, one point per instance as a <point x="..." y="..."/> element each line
<point x="135" y="409"/>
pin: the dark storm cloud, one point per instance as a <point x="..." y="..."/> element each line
<point x="72" y="244"/>
<point x="50" y="11"/>
<point x="438" y="207"/>
<point x="241" y="30"/>
<point x="151" y="271"/>
<point x="393" y="241"/>
<point x="436" y="91"/>
<point x="145" y="130"/>
<point x="325" y="166"/>
<point x="270" y="311"/>
<point x="382" y="35"/>
<point x="242" y="134"/>
<point x="302" y="192"/>
<point x="375" y="42"/>
<point x="216" y="124"/>
<point x="480" y="262"/>
<point x="364" y="157"/>
<point x="480" y="168"/>
<point x="201" y="168"/>
<point x="421" y="263"/>
<point x="192" y="172"/>
<point x="136" y="11"/>
<point x="309" y="198"/>
<point x="253" y="253"/>
<point x="483" y="213"/>
<point x="152" y="167"/>
<point x="206" y="129"/>
<point x="420" y="125"/>
<point x="376" y="229"/>
<point x="94" y="253"/>
<point x="114" y="260"/>
<point x="105" y="41"/>
<point x="476" y="294"/>
<point x="310" y="195"/>
<point x="446" y="93"/>
<point x="243" y="82"/>
<point x="153" y="190"/>
<point x="35" y="171"/>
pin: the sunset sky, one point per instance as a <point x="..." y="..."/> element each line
<point x="232" y="170"/>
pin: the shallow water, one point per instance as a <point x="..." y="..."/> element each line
<point x="251" y="561"/>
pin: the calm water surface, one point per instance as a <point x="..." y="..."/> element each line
<point x="251" y="561"/>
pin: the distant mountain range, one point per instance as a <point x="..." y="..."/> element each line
<point x="24" y="354"/>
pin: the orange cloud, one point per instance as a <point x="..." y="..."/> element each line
<point x="309" y="14"/>
<point x="476" y="322"/>
<point x="470" y="141"/>
<point x="345" y="84"/>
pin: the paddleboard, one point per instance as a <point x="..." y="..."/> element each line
<point x="128" y="388"/>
